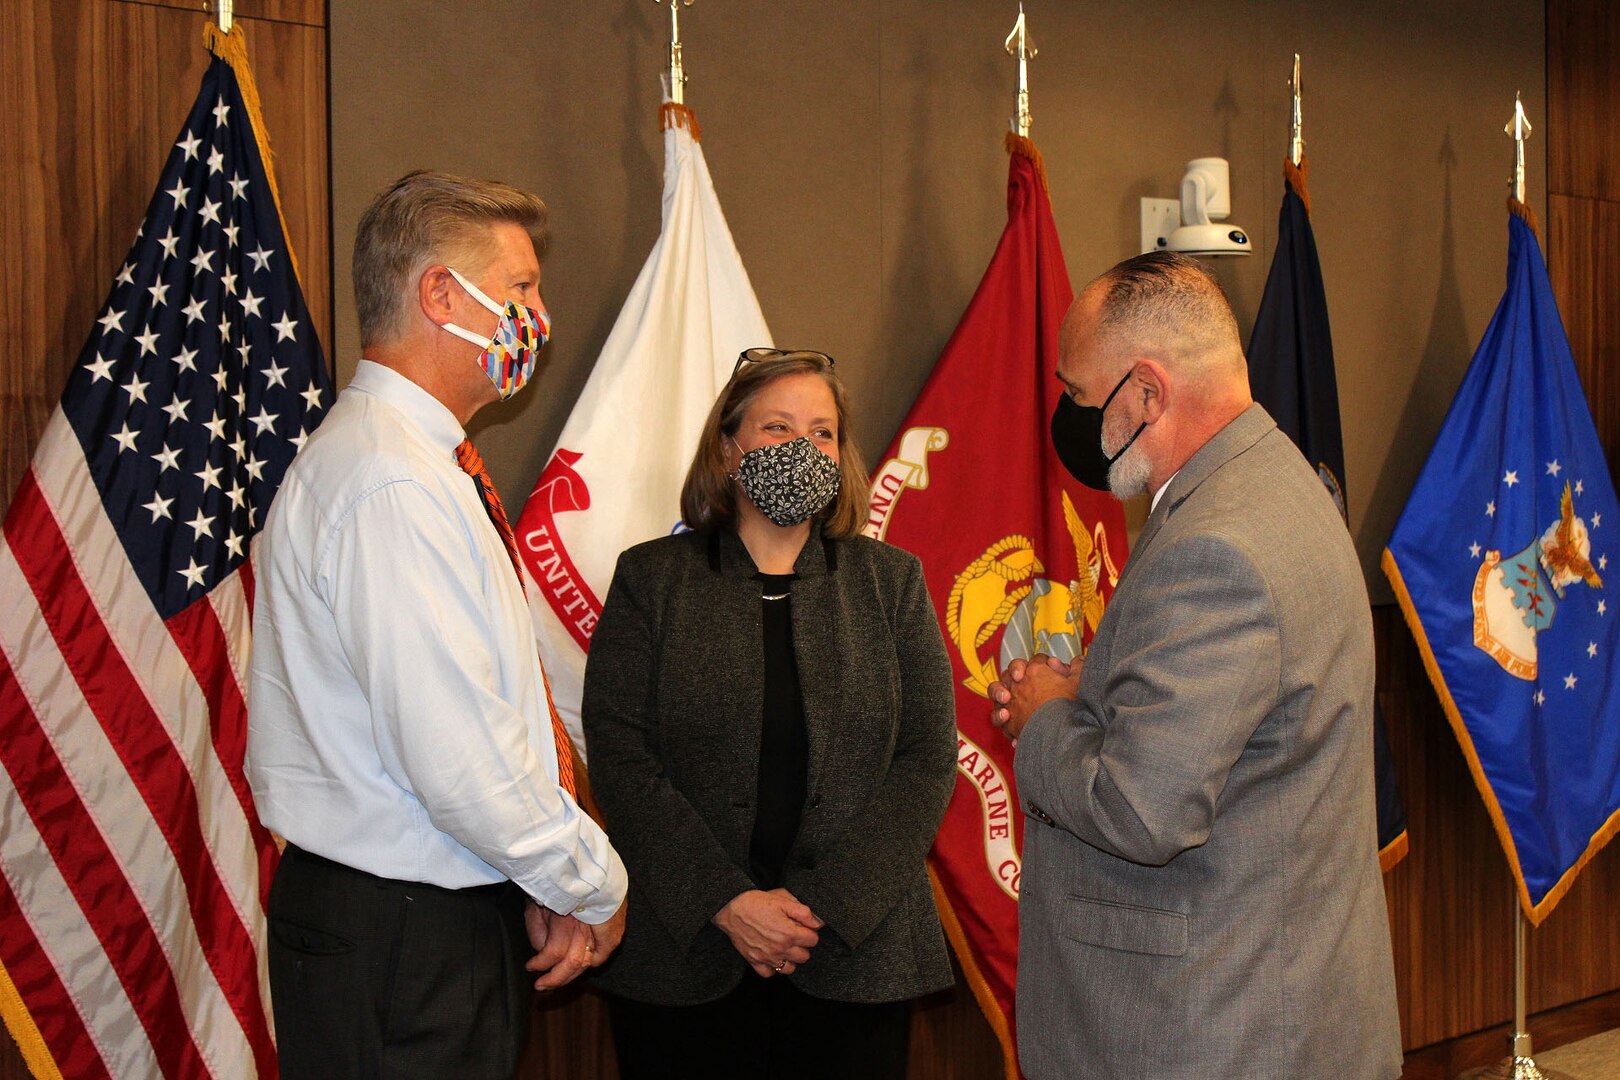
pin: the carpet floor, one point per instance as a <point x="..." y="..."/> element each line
<point x="1595" y="1058"/>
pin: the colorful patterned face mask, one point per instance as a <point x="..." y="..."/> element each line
<point x="509" y="356"/>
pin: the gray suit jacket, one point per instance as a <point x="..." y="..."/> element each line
<point x="1201" y="892"/>
<point x="674" y="693"/>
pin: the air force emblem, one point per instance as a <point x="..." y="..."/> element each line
<point x="1517" y="597"/>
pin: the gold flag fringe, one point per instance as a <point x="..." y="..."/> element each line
<point x="671" y="115"/>
<point x="20" y="1022"/>
<point x="975" y="978"/>
<point x="1521" y="210"/>
<point x="1393" y="852"/>
<point x="1296" y="176"/>
<point x="1023" y="144"/>
<point x="232" y="48"/>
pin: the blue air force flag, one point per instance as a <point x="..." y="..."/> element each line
<point x="1501" y="564"/>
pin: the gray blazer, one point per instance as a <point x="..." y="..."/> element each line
<point x="674" y="692"/>
<point x="1201" y="892"/>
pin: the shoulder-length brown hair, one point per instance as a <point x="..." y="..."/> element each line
<point x="709" y="496"/>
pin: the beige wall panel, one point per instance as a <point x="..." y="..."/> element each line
<point x="856" y="149"/>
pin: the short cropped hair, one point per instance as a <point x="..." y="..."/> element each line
<point x="1170" y="304"/>
<point x="424" y="219"/>
<point x="709" y="496"/>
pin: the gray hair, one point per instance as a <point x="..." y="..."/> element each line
<point x="1171" y="306"/>
<point x="423" y="219"/>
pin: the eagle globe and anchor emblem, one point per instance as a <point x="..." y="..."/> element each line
<point x="1004" y="589"/>
<point x="1517" y="597"/>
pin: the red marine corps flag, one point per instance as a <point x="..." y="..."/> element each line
<point x="1018" y="557"/>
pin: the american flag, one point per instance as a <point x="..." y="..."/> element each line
<point x="134" y="867"/>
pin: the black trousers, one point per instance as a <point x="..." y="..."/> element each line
<point x="765" y="1029"/>
<point x="373" y="978"/>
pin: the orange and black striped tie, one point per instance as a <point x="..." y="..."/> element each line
<point x="472" y="463"/>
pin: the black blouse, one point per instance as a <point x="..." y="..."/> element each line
<point x="784" y="748"/>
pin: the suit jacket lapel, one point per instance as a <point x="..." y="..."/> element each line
<point x="1244" y="430"/>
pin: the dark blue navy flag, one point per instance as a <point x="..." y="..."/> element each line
<point x="134" y="866"/>
<point x="1291" y="374"/>
<point x="1500" y="561"/>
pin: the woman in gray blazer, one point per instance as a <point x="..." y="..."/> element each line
<point x="770" y="727"/>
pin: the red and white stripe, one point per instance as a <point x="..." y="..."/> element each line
<point x="134" y="866"/>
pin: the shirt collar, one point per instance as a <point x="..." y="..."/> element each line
<point x="424" y="410"/>
<point x="1157" y="495"/>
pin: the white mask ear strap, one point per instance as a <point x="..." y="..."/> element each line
<point x="481" y="340"/>
<point x="476" y="293"/>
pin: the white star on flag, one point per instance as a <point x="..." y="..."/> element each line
<point x="200" y="525"/>
<point x="135" y="388"/>
<point x="286" y="329"/>
<point x="1591" y="649"/>
<point x="186" y="359"/>
<point x="1473" y="549"/>
<point x="189" y="145"/>
<point x="265" y="421"/>
<point x="148" y="341"/>
<point x="221" y="111"/>
<point x="125" y="438"/>
<point x="113" y="320"/>
<point x="101" y="369"/>
<point x="1511" y="478"/>
<point x="167" y="458"/>
<point x="250" y="305"/>
<point x="216" y="162"/>
<point x="159" y="506"/>
<point x="1570" y="680"/>
<point x="178" y="193"/>
<point x="209" y="475"/>
<point x="160" y="294"/>
<point x="126" y="275"/>
<point x="1553" y="467"/>
<point x="192" y="573"/>
<point x="261" y="258"/>
<point x="274" y="375"/>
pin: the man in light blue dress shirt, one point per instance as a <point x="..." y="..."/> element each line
<point x="399" y="735"/>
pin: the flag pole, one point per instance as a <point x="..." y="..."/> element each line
<point x="677" y="69"/>
<point x="224" y="14"/>
<point x="1520" y="1063"/>
<point x="1018" y="44"/>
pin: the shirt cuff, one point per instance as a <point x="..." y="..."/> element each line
<point x="578" y="898"/>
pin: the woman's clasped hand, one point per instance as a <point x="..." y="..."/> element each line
<point x="772" y="930"/>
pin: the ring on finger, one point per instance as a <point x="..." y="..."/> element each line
<point x="780" y="964"/>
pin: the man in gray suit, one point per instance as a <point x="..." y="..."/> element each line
<point x="1201" y="893"/>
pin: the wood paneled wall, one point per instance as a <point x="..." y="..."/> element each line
<point x="95" y="92"/>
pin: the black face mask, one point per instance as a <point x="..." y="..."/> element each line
<point x="1077" y="438"/>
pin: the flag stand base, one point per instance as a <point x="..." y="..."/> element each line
<point x="1519" y="1064"/>
<point x="1516" y="1067"/>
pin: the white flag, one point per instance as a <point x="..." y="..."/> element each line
<point x="615" y="476"/>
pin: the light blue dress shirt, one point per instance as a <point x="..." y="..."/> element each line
<point x="396" y="718"/>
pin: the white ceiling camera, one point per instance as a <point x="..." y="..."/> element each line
<point x="1194" y="226"/>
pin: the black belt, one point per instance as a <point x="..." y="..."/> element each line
<point x="493" y="890"/>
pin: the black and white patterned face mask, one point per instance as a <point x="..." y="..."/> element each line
<point x="790" y="482"/>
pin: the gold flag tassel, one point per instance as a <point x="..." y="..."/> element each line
<point x="672" y="115"/>
<point x="1023" y="144"/>
<point x="231" y="47"/>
